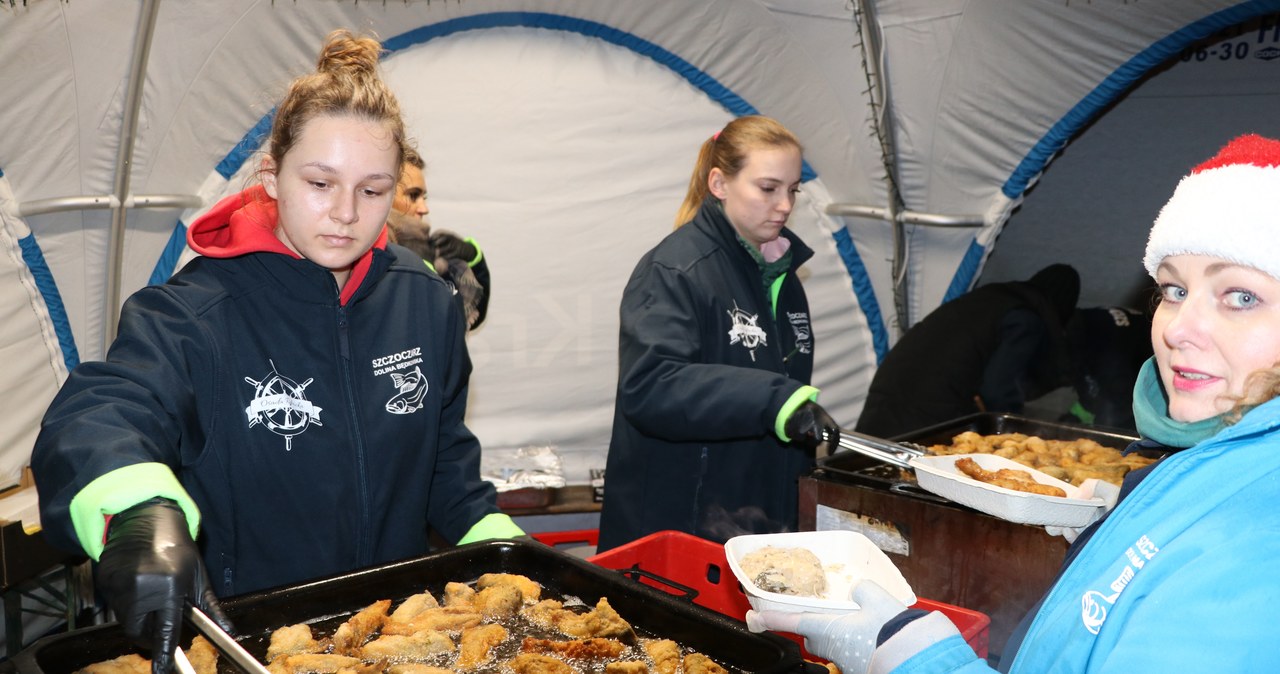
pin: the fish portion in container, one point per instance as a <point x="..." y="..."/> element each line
<point x="1009" y="478"/>
<point x="793" y="571"/>
<point x="1072" y="461"/>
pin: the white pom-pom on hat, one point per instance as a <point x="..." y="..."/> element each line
<point x="1227" y="207"/>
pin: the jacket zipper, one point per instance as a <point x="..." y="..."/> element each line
<point x="364" y="555"/>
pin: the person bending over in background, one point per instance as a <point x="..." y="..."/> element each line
<point x="991" y="350"/>
<point x="1176" y="577"/>
<point x="1108" y="347"/>
<point x="714" y="418"/>
<point x="458" y="261"/>
<point x="293" y="399"/>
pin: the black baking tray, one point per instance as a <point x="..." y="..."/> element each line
<point x="853" y="468"/>
<point x="332" y="600"/>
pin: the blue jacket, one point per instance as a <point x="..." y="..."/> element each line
<point x="707" y="360"/>
<point x="316" y="432"/>
<point x="1178" y="578"/>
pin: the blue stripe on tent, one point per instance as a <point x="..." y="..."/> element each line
<point x="1119" y="81"/>
<point x="1103" y="95"/>
<point x="967" y="270"/>
<point x="48" y="288"/>
<point x="169" y="257"/>
<point x="863" y="290"/>
<point x="706" y="83"/>
<point x="246" y="147"/>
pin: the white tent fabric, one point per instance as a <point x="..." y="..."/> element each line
<point x="559" y="133"/>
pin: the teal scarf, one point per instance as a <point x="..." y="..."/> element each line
<point x="1151" y="412"/>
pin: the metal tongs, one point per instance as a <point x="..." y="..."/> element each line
<point x="224" y="642"/>
<point x="888" y="451"/>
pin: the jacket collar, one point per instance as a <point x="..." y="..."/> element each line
<point x="712" y="220"/>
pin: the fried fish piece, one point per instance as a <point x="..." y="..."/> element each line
<point x="546" y="613"/>
<point x="536" y="663"/>
<point x="292" y="640"/>
<point x="665" y="654"/>
<point x="530" y="590"/>
<point x="313" y="663"/>
<point x="459" y="594"/>
<point x="413" y="606"/>
<point x="417" y="668"/>
<point x="697" y="663"/>
<point x="365" y="668"/>
<point x="1008" y="478"/>
<point x="203" y="656"/>
<point x="594" y="648"/>
<point x="498" y="601"/>
<point x="417" y="647"/>
<point x="352" y="634"/>
<point x="626" y="667"/>
<point x="602" y="621"/>
<point x="476" y="643"/>
<point x="441" y="619"/>
<point x="125" y="664"/>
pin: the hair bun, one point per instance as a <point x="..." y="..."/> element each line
<point x="344" y="51"/>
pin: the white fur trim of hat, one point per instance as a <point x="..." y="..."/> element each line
<point x="1227" y="207"/>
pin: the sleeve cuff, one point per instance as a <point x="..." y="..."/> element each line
<point x="493" y="525"/>
<point x="120" y="490"/>
<point x="479" y="253"/>
<point x="913" y="639"/>
<point x="801" y="396"/>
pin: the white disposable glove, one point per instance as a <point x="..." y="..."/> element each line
<point x="1090" y="488"/>
<point x="847" y="639"/>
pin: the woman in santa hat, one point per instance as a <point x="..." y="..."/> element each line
<point x="1179" y="576"/>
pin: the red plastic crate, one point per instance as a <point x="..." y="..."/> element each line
<point x="683" y="564"/>
<point x="574" y="537"/>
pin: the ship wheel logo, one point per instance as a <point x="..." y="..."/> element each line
<point x="281" y="404"/>
<point x="745" y="331"/>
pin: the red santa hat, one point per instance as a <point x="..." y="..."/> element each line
<point x="1227" y="207"/>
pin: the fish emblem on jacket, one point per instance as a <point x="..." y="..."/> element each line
<point x="412" y="389"/>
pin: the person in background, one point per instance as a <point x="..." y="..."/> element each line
<point x="1108" y="347"/>
<point x="1175" y="578"/>
<point x="458" y="261"/>
<point x="290" y="404"/>
<point x="989" y="350"/>
<point x="714" y="417"/>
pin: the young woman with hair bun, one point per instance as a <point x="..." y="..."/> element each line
<point x="290" y="404"/>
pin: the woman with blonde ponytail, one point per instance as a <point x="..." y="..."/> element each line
<point x="290" y="404"/>
<point x="714" y="418"/>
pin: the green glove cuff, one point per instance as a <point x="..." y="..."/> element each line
<point x="802" y="394"/>
<point x="120" y="490"/>
<point x="479" y="254"/>
<point x="430" y="266"/>
<point x="1078" y="411"/>
<point x="493" y="525"/>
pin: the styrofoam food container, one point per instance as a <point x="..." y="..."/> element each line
<point x="939" y="475"/>
<point x="847" y="557"/>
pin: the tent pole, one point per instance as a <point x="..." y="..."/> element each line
<point x="124" y="166"/>
<point x="909" y="217"/>
<point x="58" y="204"/>
<point x="878" y="95"/>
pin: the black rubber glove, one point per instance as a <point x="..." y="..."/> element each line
<point x="810" y="426"/>
<point x="451" y="246"/>
<point x="149" y="570"/>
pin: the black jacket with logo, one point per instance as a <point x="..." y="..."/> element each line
<point x="704" y="368"/>
<point x="316" y="436"/>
